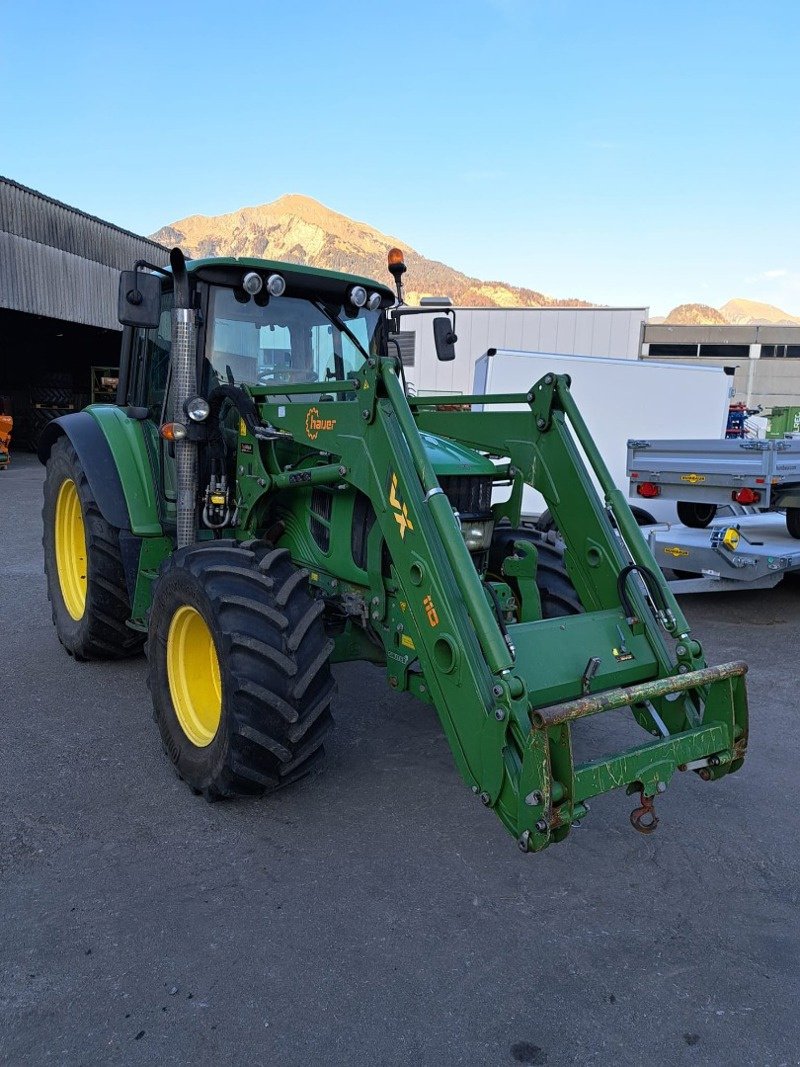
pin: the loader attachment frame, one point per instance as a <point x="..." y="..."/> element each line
<point x="508" y="697"/>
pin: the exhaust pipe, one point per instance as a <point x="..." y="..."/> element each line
<point x="184" y="371"/>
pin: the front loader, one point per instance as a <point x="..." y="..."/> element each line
<point x="265" y="499"/>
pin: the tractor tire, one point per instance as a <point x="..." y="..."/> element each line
<point x="83" y="564"/>
<point x="38" y="419"/>
<point x="546" y="523"/>
<point x="696" y="516"/>
<point x="56" y="379"/>
<point x="793" y="522"/>
<point x="643" y="518"/>
<point x="51" y="396"/>
<point x="238" y="669"/>
<point x="557" y="593"/>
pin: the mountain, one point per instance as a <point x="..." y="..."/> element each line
<point x="695" y="315"/>
<point x="753" y="313"/>
<point x="738" y="312"/>
<point x="301" y="230"/>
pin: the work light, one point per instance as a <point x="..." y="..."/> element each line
<point x="276" y="285"/>
<point x="252" y="283"/>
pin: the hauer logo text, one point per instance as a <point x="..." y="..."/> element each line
<point x="314" y="423"/>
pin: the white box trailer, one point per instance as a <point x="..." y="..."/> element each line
<point x="609" y="332"/>
<point x="619" y="399"/>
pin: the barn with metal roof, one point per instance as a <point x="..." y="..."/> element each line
<point x="59" y="335"/>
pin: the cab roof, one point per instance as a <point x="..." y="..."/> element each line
<point x="301" y="280"/>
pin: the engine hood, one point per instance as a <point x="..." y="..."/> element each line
<point x="448" y="457"/>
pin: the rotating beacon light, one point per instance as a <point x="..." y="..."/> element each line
<point x="397" y="269"/>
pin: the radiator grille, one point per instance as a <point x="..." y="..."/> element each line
<point x="469" y="494"/>
<point x="363" y="520"/>
<point x="320" y="515"/>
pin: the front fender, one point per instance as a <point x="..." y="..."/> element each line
<point x="113" y="454"/>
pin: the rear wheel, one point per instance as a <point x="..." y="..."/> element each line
<point x="793" y="522"/>
<point x="238" y="669"/>
<point x="82" y="560"/>
<point x="695" y="515"/>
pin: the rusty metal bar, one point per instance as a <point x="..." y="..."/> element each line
<point x="634" y="694"/>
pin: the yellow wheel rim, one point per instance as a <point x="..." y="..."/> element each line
<point x="193" y="675"/>
<point x="70" y="538"/>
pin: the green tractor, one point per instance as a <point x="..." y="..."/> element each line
<point x="265" y="499"/>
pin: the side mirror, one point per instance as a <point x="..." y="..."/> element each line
<point x="139" y="299"/>
<point x="444" y="339"/>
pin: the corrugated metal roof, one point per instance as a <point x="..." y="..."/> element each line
<point x="61" y="262"/>
<point x="48" y="281"/>
<point x="30" y="214"/>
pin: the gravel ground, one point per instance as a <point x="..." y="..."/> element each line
<point x="377" y="914"/>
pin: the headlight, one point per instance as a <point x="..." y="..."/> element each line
<point x="197" y="409"/>
<point x="358" y="296"/>
<point x="477" y="535"/>
<point x="374" y="301"/>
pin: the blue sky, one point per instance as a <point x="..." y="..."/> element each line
<point x="624" y="152"/>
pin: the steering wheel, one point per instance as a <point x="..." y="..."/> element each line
<point x="284" y="375"/>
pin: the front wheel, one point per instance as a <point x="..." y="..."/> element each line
<point x="696" y="516"/>
<point x="557" y="593"/>
<point x="238" y="669"/>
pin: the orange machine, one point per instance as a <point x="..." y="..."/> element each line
<point x="6" y="422"/>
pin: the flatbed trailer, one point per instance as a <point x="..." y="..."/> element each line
<point x="702" y="475"/>
<point x="736" y="552"/>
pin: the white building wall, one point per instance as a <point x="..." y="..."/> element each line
<point x="609" y="332"/>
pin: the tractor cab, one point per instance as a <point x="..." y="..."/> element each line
<point x="260" y="324"/>
<point x="262" y="330"/>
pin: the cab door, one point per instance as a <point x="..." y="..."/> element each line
<point x="149" y="388"/>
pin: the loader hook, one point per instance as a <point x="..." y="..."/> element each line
<point x="644" y="818"/>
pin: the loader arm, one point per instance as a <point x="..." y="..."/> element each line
<point x="508" y="702"/>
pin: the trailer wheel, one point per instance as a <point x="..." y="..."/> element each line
<point x="83" y="564"/>
<point x="695" y="515"/>
<point x="558" y="594"/>
<point x="238" y="669"/>
<point x="793" y="522"/>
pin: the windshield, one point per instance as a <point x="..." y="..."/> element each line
<point x="284" y="340"/>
